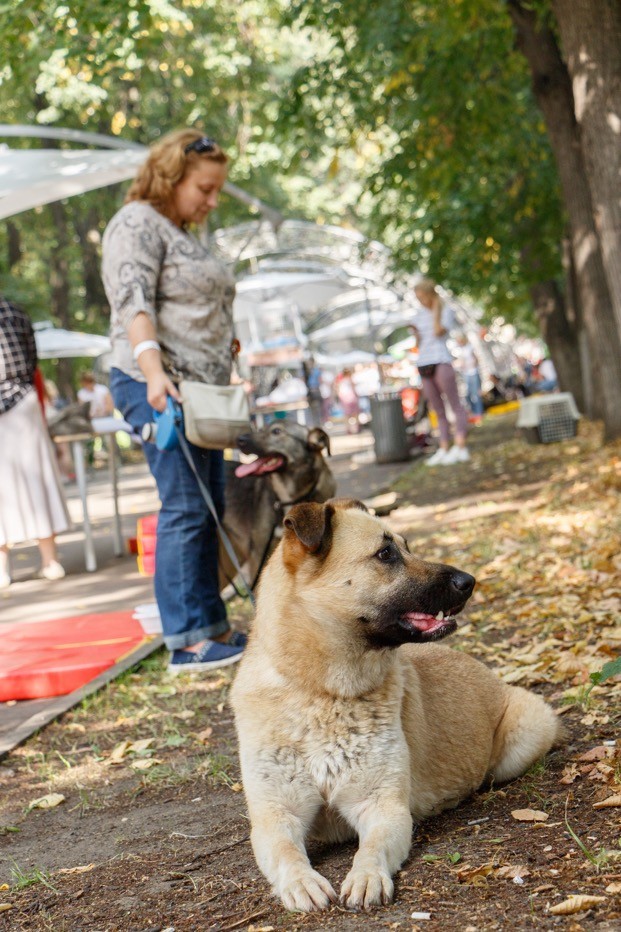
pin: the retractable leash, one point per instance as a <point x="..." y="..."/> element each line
<point x="167" y="431"/>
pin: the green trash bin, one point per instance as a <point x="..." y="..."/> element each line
<point x="388" y="428"/>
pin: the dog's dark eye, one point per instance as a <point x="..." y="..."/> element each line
<point x="276" y="431"/>
<point x="387" y="554"/>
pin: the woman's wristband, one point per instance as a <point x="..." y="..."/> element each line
<point x="139" y="348"/>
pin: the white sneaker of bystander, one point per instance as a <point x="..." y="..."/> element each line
<point x="456" y="455"/>
<point x="438" y="458"/>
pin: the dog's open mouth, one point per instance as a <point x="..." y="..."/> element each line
<point x="260" y="466"/>
<point x="429" y="624"/>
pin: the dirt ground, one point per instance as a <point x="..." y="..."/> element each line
<point x="145" y="826"/>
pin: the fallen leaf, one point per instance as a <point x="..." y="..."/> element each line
<point x="512" y="872"/>
<point x="144" y="763"/>
<point x="570" y="773"/>
<point x="595" y="718"/>
<point x="569" y="664"/>
<point x="136" y="747"/>
<point x="475" y="876"/>
<point x="598" y="753"/>
<point x="184" y="715"/>
<point x="4" y="886"/>
<point x="5" y="906"/>
<point x="613" y="888"/>
<point x="47" y="802"/>
<point x="205" y="735"/>
<point x="236" y="787"/>
<point x="576" y="903"/>
<point x="530" y="815"/>
<point x="611" y="801"/>
<point x="603" y="771"/>
<point x="81" y="869"/>
<point x="119" y="752"/>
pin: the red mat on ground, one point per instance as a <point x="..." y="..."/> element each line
<point x="52" y="658"/>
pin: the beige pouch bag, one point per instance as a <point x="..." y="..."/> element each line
<point x="214" y="415"/>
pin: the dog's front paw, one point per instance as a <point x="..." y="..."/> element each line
<point x="306" y="892"/>
<point x="365" y="888"/>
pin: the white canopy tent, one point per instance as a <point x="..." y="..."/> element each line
<point x="56" y="343"/>
<point x="273" y="305"/>
<point x="311" y="283"/>
<point x="33" y="177"/>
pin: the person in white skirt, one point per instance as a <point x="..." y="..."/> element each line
<point x="32" y="504"/>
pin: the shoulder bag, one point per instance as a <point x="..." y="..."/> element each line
<point x="214" y="415"/>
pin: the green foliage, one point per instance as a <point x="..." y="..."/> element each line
<point x="436" y="104"/>
<point x="610" y="669"/>
<point x="133" y="70"/>
<point x="26" y="878"/>
<point x="413" y="122"/>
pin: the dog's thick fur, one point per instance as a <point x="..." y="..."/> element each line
<point x="290" y="467"/>
<point x="349" y="723"/>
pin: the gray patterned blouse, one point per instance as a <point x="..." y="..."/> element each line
<point x="151" y="265"/>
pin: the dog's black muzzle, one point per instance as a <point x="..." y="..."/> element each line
<point x="248" y="444"/>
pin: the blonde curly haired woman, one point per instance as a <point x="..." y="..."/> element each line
<point x="171" y="305"/>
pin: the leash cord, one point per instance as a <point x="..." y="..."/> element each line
<point x="226" y="543"/>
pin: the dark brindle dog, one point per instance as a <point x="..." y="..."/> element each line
<point x="290" y="467"/>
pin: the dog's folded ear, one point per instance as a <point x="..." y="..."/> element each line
<point x="318" y="440"/>
<point x="309" y="523"/>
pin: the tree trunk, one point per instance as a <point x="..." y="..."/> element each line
<point x="14" y="244"/>
<point x="560" y="337"/>
<point x="552" y="89"/>
<point x="87" y="229"/>
<point x="61" y="290"/>
<point x="590" y="33"/>
<point x="591" y="405"/>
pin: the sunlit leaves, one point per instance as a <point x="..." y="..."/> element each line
<point x="471" y="154"/>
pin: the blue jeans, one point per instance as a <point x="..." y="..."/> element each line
<point x="473" y="392"/>
<point x="186" y="555"/>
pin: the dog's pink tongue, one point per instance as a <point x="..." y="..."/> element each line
<point x="259" y="466"/>
<point x="423" y="622"/>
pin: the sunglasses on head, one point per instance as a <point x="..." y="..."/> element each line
<point x="204" y="144"/>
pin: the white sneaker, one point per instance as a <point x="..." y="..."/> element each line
<point x="438" y="458"/>
<point x="456" y="455"/>
<point x="53" y="571"/>
<point x="5" y="581"/>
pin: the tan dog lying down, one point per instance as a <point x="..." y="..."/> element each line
<point x="340" y="733"/>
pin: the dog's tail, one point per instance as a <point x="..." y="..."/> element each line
<point x="527" y="731"/>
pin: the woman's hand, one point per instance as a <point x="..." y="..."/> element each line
<point x="159" y="387"/>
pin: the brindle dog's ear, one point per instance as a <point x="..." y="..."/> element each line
<point x="310" y="524"/>
<point x="318" y="440"/>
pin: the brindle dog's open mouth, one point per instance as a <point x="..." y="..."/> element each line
<point x="261" y="465"/>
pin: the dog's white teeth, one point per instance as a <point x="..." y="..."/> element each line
<point x="439" y="616"/>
